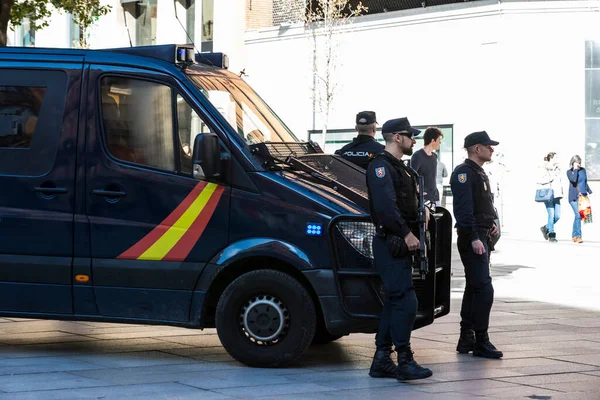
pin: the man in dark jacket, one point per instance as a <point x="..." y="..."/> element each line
<point x="393" y="203"/>
<point x="476" y="227"/>
<point x="362" y="148"/>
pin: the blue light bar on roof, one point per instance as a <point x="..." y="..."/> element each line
<point x="219" y="60"/>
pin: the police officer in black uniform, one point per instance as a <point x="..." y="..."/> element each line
<point x="475" y="224"/>
<point x="393" y="202"/>
<point x="363" y="147"/>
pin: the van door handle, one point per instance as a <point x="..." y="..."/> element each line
<point x="50" y="190"/>
<point x="108" y="193"/>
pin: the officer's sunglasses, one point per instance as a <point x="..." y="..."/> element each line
<point x="405" y="134"/>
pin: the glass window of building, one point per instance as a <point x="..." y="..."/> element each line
<point x="28" y="33"/>
<point x="337" y="138"/>
<point x="78" y="40"/>
<point x="592" y="109"/>
<point x="190" y="18"/>
<point x="146" y="22"/>
<point x="207" y="25"/>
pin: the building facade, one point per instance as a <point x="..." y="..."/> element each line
<point x="526" y="72"/>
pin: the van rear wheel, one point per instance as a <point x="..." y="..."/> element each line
<point x="265" y="318"/>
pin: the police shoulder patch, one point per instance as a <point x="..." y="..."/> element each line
<point x="380" y="172"/>
<point x="462" y="178"/>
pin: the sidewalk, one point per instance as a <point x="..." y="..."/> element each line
<point x="563" y="273"/>
<point x="552" y="351"/>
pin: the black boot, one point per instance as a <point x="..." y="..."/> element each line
<point x="408" y="369"/>
<point x="544" y="230"/>
<point x="552" y="237"/>
<point x="466" y="342"/>
<point x="483" y="347"/>
<point x="382" y="365"/>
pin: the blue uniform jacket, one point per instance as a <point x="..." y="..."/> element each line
<point x="577" y="179"/>
<point x="469" y="183"/>
<point x="381" y="175"/>
<point x="361" y="150"/>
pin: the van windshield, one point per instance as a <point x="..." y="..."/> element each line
<point x="245" y="111"/>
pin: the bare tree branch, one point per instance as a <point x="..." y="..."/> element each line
<point x="323" y="19"/>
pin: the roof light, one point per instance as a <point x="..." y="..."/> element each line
<point x="184" y="55"/>
<point x="219" y="60"/>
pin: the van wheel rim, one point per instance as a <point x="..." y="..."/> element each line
<point x="265" y="320"/>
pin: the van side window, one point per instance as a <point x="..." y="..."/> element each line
<point x="138" y="121"/>
<point x="19" y="112"/>
<point x="189" y="125"/>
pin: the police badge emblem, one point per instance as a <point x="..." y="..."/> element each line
<point x="380" y="172"/>
<point x="462" y="178"/>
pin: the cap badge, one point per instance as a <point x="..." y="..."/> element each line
<point x="462" y="178"/>
<point x="380" y="172"/>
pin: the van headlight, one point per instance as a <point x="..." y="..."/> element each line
<point x="359" y="235"/>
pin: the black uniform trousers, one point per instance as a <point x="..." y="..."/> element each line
<point x="400" y="303"/>
<point x="479" y="292"/>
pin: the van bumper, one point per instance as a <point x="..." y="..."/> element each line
<point x="337" y="320"/>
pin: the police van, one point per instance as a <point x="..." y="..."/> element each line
<point x="150" y="185"/>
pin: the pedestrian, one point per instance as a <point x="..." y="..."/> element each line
<point x="578" y="187"/>
<point x="549" y="177"/>
<point x="393" y="202"/>
<point x="476" y="227"/>
<point x="425" y="162"/>
<point x="363" y="147"/>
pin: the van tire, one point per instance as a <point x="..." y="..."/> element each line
<point x="279" y="301"/>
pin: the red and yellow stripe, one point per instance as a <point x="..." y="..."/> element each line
<point x="174" y="238"/>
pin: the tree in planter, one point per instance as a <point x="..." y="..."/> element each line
<point x="324" y="18"/>
<point x="39" y="11"/>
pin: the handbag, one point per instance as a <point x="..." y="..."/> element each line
<point x="543" y="195"/>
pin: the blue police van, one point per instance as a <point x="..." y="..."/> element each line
<point x="151" y="185"/>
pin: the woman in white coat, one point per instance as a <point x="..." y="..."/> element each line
<point x="550" y="177"/>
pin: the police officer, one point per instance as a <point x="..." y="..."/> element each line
<point x="393" y="202"/>
<point x="475" y="224"/>
<point x="363" y="147"/>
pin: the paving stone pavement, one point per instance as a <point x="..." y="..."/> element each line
<point x="552" y="352"/>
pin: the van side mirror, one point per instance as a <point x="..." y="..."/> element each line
<point x="207" y="156"/>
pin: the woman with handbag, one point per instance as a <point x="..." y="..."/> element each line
<point x="550" y="191"/>
<point x="578" y="187"/>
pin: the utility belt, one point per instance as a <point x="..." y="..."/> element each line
<point x="485" y="235"/>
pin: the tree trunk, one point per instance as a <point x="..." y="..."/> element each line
<point x="324" y="129"/>
<point x="5" y="7"/>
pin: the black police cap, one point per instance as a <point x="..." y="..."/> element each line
<point x="366" y="118"/>
<point x="399" y="125"/>
<point x="479" y="138"/>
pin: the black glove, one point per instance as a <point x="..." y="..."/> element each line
<point x="396" y="246"/>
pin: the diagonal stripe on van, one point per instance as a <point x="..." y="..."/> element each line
<point x="183" y="247"/>
<point x="159" y="242"/>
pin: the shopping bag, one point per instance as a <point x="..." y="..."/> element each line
<point x="585" y="209"/>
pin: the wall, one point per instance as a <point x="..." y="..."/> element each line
<point x="514" y="69"/>
<point x="259" y="13"/>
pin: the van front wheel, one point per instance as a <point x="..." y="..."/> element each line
<point x="265" y="318"/>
